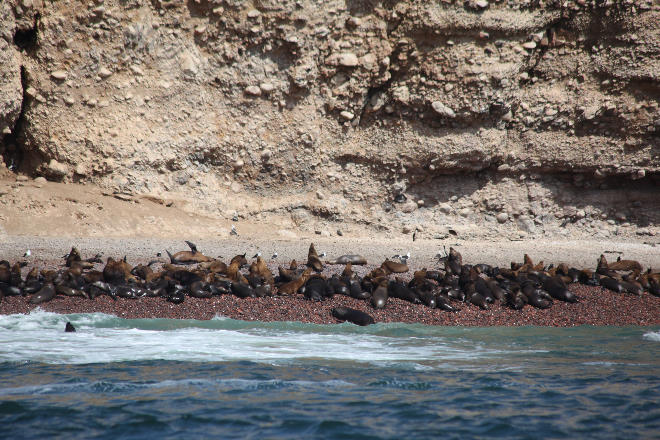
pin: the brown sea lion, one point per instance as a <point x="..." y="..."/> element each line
<point x="394" y="267"/>
<point x="74" y="255"/>
<point x="292" y="287"/>
<point x="188" y="257"/>
<point x="313" y="259"/>
<point x="625" y="265"/>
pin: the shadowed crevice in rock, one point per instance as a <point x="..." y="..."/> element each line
<point x="13" y="149"/>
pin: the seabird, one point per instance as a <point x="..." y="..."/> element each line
<point x="257" y="255"/>
<point x="274" y="256"/>
<point x="27" y="253"/>
<point x="233" y="230"/>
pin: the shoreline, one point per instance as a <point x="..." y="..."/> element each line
<point x="596" y="306"/>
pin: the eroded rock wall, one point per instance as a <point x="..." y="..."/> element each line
<point x="518" y="117"/>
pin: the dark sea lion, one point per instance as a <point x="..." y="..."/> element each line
<point x="69" y="328"/>
<point x="46" y="294"/>
<point x="243" y="290"/>
<point x="611" y="284"/>
<point x="352" y="315"/>
<point x="631" y="287"/>
<point x="177" y="296"/>
<point x="557" y="289"/>
<point x="478" y="300"/>
<point x="442" y="303"/>
<point x="355" y="290"/>
<point x="379" y="296"/>
<point x="313" y="259"/>
<point x="61" y="289"/>
<point x="349" y="258"/>
<point x="316" y="288"/>
<point x="397" y="289"/>
<point x="338" y="286"/>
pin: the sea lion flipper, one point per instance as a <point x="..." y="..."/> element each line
<point x="192" y="246"/>
<point x="172" y="260"/>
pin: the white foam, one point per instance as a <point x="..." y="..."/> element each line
<point x="40" y="337"/>
<point x="652" y="336"/>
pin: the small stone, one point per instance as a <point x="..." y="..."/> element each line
<point x="69" y="100"/>
<point x="238" y="164"/>
<point x="445" y="208"/>
<point x="464" y="212"/>
<point x="408" y="207"/>
<point x="320" y="195"/>
<point x="502" y="217"/>
<point x="59" y="75"/>
<point x="340" y="233"/>
<point x="346" y="59"/>
<point x="104" y="72"/>
<point x="347" y="115"/>
<point x="56" y="170"/>
<point x="253" y="13"/>
<point x="529" y="45"/>
<point x="407" y="229"/>
<point x="580" y="213"/>
<point x="443" y="110"/>
<point x="21" y="178"/>
<point x="266" y="87"/>
<point x="325" y="233"/>
<point x="40" y="179"/>
<point x="253" y="90"/>
<point x="137" y="70"/>
<point x="420" y="202"/>
<point x="483" y="4"/>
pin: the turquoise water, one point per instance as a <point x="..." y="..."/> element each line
<point x="118" y="378"/>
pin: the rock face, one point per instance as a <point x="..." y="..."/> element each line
<point x="486" y="111"/>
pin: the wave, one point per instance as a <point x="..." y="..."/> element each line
<point x="109" y="387"/>
<point x="652" y="336"/>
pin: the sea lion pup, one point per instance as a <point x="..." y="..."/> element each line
<point x="5" y="271"/>
<point x="394" y="267"/>
<point x="557" y="289"/>
<point x="349" y="258"/>
<point x="44" y="295"/>
<point x="69" y="328"/>
<point x="352" y="315"/>
<point x="379" y="296"/>
<point x="33" y="281"/>
<point x="313" y="259"/>
<point x="654" y="286"/>
<point x="338" y="285"/>
<point x="631" y="287"/>
<point x="188" y="257"/>
<point x="292" y="287"/>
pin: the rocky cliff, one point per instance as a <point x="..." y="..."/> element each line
<point x="521" y="117"/>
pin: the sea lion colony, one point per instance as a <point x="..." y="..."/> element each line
<point x="191" y="273"/>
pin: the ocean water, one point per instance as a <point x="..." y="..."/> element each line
<point x="159" y="378"/>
